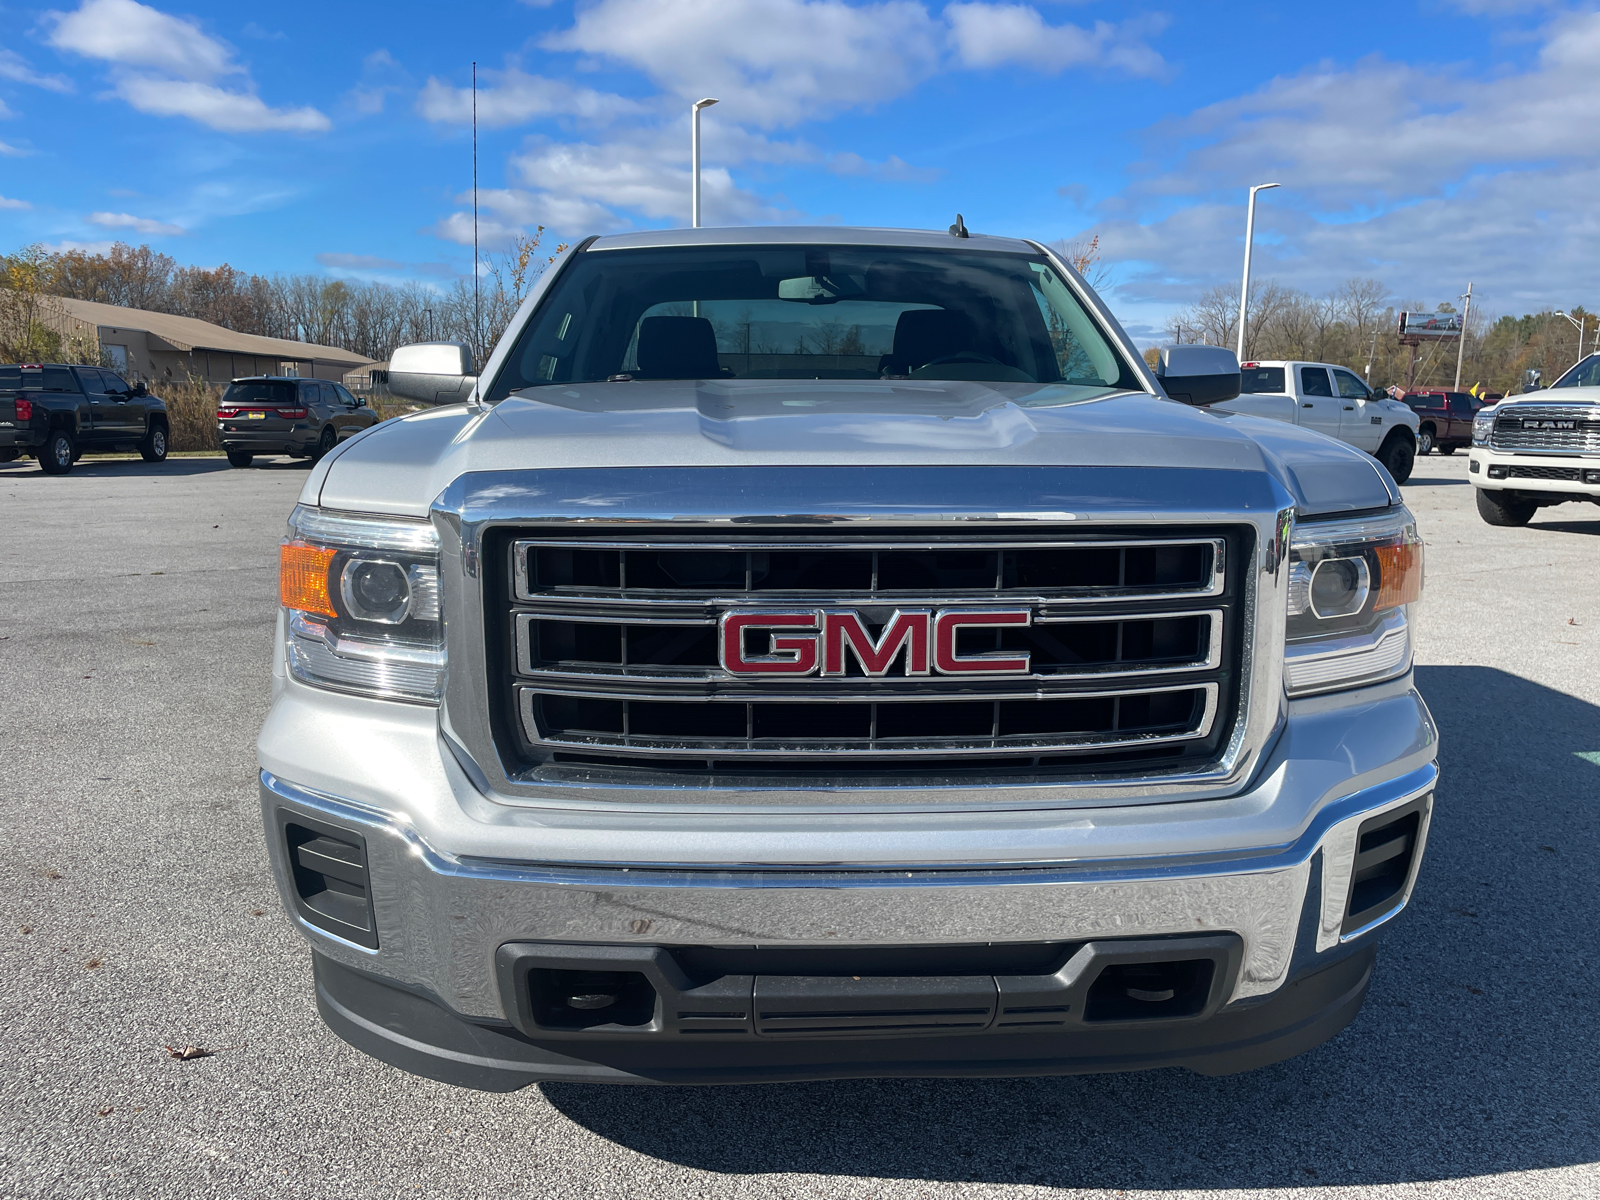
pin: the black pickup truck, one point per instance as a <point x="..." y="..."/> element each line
<point x="57" y="412"/>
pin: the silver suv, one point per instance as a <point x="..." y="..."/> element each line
<point x="821" y="652"/>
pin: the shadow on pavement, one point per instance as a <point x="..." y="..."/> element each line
<point x="105" y="468"/>
<point x="1475" y="1053"/>
<point x="1570" y="526"/>
<point x="1419" y="481"/>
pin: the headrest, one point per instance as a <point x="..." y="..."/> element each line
<point x="924" y="334"/>
<point x="678" y="348"/>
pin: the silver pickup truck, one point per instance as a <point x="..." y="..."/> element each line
<point x="812" y="653"/>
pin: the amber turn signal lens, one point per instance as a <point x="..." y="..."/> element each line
<point x="1399" y="574"/>
<point x="303" y="578"/>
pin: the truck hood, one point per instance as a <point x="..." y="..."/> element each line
<point x="400" y="466"/>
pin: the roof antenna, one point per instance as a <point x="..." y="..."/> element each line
<point x="959" y="229"/>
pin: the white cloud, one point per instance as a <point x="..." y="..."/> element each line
<point x="893" y="169"/>
<point x="84" y="247"/>
<point x="230" y="112"/>
<point x="1422" y="177"/>
<point x="359" y="262"/>
<point x="18" y="205"/>
<point x="380" y="75"/>
<point x="511" y="97"/>
<point x="168" y="66"/>
<point x="779" y="62"/>
<point x="13" y="151"/>
<point x="5" y="113"/>
<point x="775" y="62"/>
<point x="134" y="34"/>
<point x="994" y="35"/>
<point x="15" y="68"/>
<point x="144" y="225"/>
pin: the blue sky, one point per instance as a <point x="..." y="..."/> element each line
<point x="1423" y="143"/>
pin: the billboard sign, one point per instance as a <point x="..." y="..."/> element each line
<point x="1430" y="325"/>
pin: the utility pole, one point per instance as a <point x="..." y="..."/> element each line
<point x="1461" y="346"/>
<point x="1249" y="238"/>
<point x="1580" y="322"/>
<point x="1371" y="354"/>
<point x="477" y="302"/>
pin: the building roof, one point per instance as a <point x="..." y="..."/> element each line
<point x="190" y="333"/>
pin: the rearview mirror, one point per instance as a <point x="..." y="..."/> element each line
<point x="1198" y="375"/>
<point x="432" y="372"/>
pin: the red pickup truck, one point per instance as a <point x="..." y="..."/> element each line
<point x="1446" y="419"/>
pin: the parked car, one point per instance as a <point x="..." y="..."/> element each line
<point x="1445" y="419"/>
<point x="1534" y="451"/>
<point x="58" y="411"/>
<point x="1331" y="400"/>
<point x="716" y="698"/>
<point x="272" y="414"/>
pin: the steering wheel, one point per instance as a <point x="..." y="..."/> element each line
<point x="971" y="356"/>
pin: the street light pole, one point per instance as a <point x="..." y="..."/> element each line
<point x="1579" y="323"/>
<point x="1249" y="237"/>
<point x="694" y="155"/>
<point x="1461" y="346"/>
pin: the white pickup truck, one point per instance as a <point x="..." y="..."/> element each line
<point x="1334" y="401"/>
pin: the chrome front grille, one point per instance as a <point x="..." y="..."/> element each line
<point x="611" y="656"/>
<point x="1555" y="428"/>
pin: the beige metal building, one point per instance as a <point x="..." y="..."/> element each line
<point x="156" y="346"/>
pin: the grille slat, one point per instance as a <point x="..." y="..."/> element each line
<point x="613" y="648"/>
<point x="1530" y="427"/>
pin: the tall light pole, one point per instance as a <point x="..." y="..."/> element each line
<point x="1579" y="323"/>
<point x="1249" y="238"/>
<point x="1461" y="346"/>
<point x="694" y="155"/>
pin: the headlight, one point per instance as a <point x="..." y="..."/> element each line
<point x="1350" y="585"/>
<point x="1482" y="427"/>
<point x="362" y="601"/>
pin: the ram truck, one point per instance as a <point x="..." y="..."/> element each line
<point x="820" y="653"/>
<point x="1538" y="449"/>
<point x="1333" y="401"/>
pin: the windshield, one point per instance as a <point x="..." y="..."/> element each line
<point x="260" y="391"/>
<point x="1584" y="374"/>
<point x="812" y="312"/>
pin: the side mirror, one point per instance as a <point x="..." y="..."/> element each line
<point x="1198" y="375"/>
<point x="432" y="372"/>
<point x="139" y="389"/>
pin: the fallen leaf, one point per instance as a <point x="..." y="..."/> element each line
<point x="258" y="912"/>
<point x="1474" y="991"/>
<point x="1552" y="849"/>
<point x="187" y="1052"/>
<point x="104" y="1112"/>
<point x="52" y="873"/>
<point x="93" y="964"/>
<point x="27" y="929"/>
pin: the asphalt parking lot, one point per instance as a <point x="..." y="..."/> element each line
<point x="136" y="911"/>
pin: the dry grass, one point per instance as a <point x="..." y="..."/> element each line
<point x="191" y="413"/>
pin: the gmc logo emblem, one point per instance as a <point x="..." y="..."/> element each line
<point x="822" y="640"/>
<point x="1535" y="423"/>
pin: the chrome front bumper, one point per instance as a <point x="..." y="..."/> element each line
<point x="1482" y="458"/>
<point x="454" y="876"/>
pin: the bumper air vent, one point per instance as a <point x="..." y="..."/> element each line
<point x="1557" y="473"/>
<point x="1386" y="853"/>
<point x="328" y="870"/>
